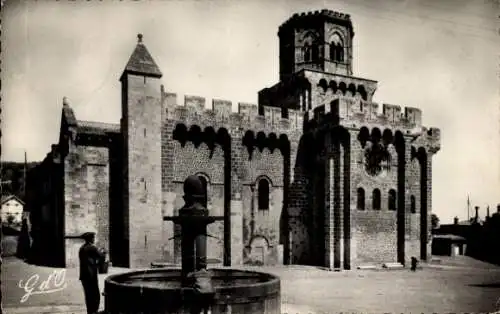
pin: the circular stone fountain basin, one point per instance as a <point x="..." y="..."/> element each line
<point x="159" y="291"/>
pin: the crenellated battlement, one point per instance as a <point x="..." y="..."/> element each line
<point x="430" y="139"/>
<point x="354" y="112"/>
<point x="338" y="16"/>
<point x="194" y="112"/>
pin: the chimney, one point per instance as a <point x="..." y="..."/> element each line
<point x="455" y="221"/>
<point x="476" y="218"/>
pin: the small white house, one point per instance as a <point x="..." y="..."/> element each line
<point x="12" y="206"/>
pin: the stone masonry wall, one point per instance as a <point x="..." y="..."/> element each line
<point x="374" y="232"/>
<point x="86" y="172"/>
<point x="268" y="165"/>
<point x="189" y="160"/>
<point x="179" y="162"/>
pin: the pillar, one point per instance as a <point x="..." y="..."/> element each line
<point x="339" y="207"/>
<point x="329" y="212"/>
<point x="233" y="246"/>
<point x="429" y="204"/>
<point x="167" y="185"/>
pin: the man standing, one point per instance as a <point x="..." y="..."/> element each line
<point x="90" y="258"/>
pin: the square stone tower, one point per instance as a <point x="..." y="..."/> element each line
<point x="141" y="130"/>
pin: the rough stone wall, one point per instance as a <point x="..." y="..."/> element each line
<point x="374" y="232"/>
<point x="86" y="174"/>
<point x="178" y="162"/>
<point x="142" y="114"/>
<point x="189" y="160"/>
<point x="266" y="223"/>
<point x="298" y="246"/>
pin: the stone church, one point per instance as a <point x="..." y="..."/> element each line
<point x="314" y="174"/>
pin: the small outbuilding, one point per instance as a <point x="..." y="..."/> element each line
<point x="448" y="245"/>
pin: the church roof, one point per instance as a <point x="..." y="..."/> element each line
<point x="141" y="62"/>
<point x="99" y="128"/>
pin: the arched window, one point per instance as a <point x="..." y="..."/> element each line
<point x="307" y="53"/>
<point x="413" y="205"/>
<point x="315" y="52"/>
<point x="263" y="194"/>
<point x="376" y="199"/>
<point x="361" y="199"/>
<point x="336" y="48"/>
<point x="340" y="53"/>
<point x="392" y="199"/>
<point x="205" y="190"/>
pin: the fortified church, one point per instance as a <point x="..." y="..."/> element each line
<point x="314" y="174"/>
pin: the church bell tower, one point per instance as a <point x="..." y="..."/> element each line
<point x="319" y="40"/>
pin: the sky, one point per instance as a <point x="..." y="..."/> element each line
<point x="440" y="56"/>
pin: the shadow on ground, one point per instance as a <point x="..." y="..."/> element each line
<point x="486" y="285"/>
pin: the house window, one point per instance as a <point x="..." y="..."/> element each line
<point x="376" y="199"/>
<point x="392" y="199"/>
<point x="204" y="183"/>
<point x="263" y="194"/>
<point x="361" y="199"/>
<point x="413" y="205"/>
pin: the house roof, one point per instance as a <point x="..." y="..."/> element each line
<point x="6" y="198"/>
<point x="449" y="237"/>
<point x="141" y="62"/>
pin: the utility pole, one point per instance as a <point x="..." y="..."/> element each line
<point x="24" y="175"/>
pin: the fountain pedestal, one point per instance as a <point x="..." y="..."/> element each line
<point x="161" y="291"/>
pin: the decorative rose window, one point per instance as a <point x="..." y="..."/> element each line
<point x="376" y="158"/>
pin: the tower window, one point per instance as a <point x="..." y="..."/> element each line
<point x="413" y="205"/>
<point x="311" y="52"/>
<point x="204" y="183"/>
<point x="307" y="53"/>
<point x="315" y="52"/>
<point x="263" y="194"/>
<point x="336" y="52"/>
<point x="376" y="199"/>
<point x="333" y="51"/>
<point x="392" y="199"/>
<point x="336" y="48"/>
<point x="361" y="199"/>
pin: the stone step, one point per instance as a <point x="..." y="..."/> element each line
<point x="392" y="265"/>
<point x="365" y="267"/>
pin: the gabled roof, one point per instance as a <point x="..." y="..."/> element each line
<point x="7" y="198"/>
<point x="141" y="62"/>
